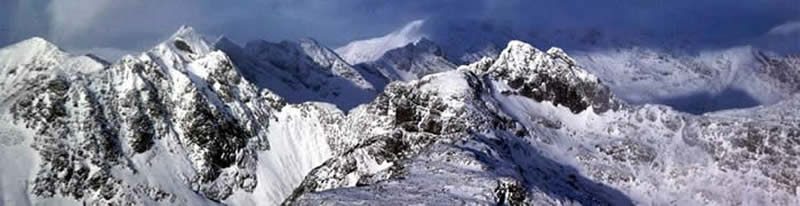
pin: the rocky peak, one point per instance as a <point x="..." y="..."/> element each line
<point x="305" y="57"/>
<point x="320" y="54"/>
<point x="184" y="46"/>
<point x="412" y="61"/>
<point x="424" y="45"/>
<point x="551" y="76"/>
<point x="178" y="99"/>
<point x="303" y="71"/>
<point x="186" y="39"/>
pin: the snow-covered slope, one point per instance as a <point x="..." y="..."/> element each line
<point x="371" y="49"/>
<point x="23" y="66"/>
<point x="639" y="66"/>
<point x="22" y="61"/>
<point x="410" y="62"/>
<point x="402" y="55"/>
<point x="193" y="123"/>
<point x="695" y="83"/>
<point x="301" y="71"/>
<point x="176" y="125"/>
<point x="472" y="136"/>
<point x="678" y="70"/>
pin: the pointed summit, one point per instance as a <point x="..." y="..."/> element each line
<point x="412" y="61"/>
<point x="371" y="49"/>
<point x="185" y="32"/>
<point x="308" y="40"/>
<point x="35" y="49"/>
<point x="186" y="39"/>
<point x="319" y="53"/>
<point x="34" y="44"/>
<point x="551" y="76"/>
<point x="38" y="41"/>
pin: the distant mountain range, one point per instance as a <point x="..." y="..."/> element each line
<point x="419" y="116"/>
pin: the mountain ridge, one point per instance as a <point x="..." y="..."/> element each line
<point x="680" y="70"/>
<point x="371" y="49"/>
<point x="528" y="126"/>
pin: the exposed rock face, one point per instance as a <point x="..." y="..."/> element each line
<point x="440" y="111"/>
<point x="301" y="71"/>
<point x="449" y="117"/>
<point x="552" y="76"/>
<point x="517" y="148"/>
<point x="90" y="125"/>
<point x="183" y="124"/>
<point x="218" y="117"/>
<point x="784" y="69"/>
<point x="410" y="120"/>
<point x="764" y="147"/>
<point x="72" y="136"/>
<point x="411" y="62"/>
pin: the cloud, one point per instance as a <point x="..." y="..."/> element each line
<point x="72" y="18"/>
<point x="786" y="29"/>
<point x="137" y="25"/>
<point x="21" y="19"/>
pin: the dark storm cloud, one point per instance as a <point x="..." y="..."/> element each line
<point x="136" y="25"/>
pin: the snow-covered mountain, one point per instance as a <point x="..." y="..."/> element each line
<point x="301" y="71"/>
<point x="640" y="67"/>
<point x="196" y="123"/>
<point x="403" y="55"/>
<point x="677" y="70"/>
<point x="534" y="128"/>
<point x="176" y="125"/>
<point x="372" y="49"/>
<point x="409" y="62"/>
<point x="461" y="43"/>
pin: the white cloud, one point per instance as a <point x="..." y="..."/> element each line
<point x="138" y="24"/>
<point x="69" y="18"/>
<point x="786" y="29"/>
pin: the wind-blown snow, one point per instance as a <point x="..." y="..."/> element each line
<point x="190" y="123"/>
<point x="640" y="66"/>
<point x="371" y="49"/>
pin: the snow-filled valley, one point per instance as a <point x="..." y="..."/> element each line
<point x="394" y="120"/>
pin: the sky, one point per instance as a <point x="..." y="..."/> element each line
<point x="113" y="26"/>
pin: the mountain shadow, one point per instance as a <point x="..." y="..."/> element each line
<point x="558" y="180"/>
<point x="704" y="102"/>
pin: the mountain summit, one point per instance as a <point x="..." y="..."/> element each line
<point x="193" y="123"/>
<point x="371" y="49"/>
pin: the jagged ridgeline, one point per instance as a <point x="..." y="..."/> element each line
<point x="196" y="123"/>
<point x="92" y="126"/>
